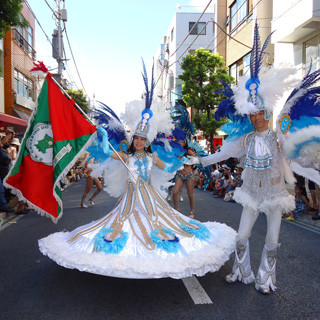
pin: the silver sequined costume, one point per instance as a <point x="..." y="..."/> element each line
<point x="263" y="186"/>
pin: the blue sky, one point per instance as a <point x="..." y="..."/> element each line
<point x="108" y="39"/>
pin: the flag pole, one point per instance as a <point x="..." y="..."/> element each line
<point x="86" y="116"/>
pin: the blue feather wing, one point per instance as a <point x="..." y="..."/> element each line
<point x="164" y="153"/>
<point x="239" y="125"/>
<point x="299" y="126"/>
<point x="107" y="119"/>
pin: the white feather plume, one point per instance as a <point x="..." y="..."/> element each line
<point x="160" y="122"/>
<point x="273" y="83"/>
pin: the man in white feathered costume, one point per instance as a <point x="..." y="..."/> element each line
<point x="263" y="188"/>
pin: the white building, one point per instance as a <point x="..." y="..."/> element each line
<point x="296" y="37"/>
<point x="296" y="26"/>
<point x="174" y="47"/>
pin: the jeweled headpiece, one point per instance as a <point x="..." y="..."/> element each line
<point x="253" y="84"/>
<point x="143" y="126"/>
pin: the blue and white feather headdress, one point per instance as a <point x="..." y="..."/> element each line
<point x="147" y="117"/>
<point x="265" y="86"/>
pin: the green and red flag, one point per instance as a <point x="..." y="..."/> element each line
<point x="56" y="136"/>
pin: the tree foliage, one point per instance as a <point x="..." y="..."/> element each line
<point x="80" y="98"/>
<point x="201" y="83"/>
<point x="10" y="15"/>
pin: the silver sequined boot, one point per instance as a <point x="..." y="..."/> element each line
<point x="241" y="270"/>
<point x="266" y="277"/>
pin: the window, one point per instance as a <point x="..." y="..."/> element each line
<point x="24" y="39"/>
<point x="197" y="29"/>
<point x="312" y="51"/>
<point x="239" y="11"/>
<point x="240" y="68"/>
<point x="23" y="85"/>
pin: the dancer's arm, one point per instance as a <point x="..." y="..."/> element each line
<point x="163" y="166"/>
<point x="234" y="149"/>
<point x="106" y="148"/>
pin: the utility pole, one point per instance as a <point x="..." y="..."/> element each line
<point x="60" y="44"/>
<point x="57" y="43"/>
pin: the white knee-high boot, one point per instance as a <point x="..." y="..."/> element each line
<point x="266" y="276"/>
<point x="241" y="270"/>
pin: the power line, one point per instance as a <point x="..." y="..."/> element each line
<point x="68" y="71"/>
<point x="221" y="30"/>
<point x="54" y="13"/>
<point x="74" y="61"/>
<point x="192" y="28"/>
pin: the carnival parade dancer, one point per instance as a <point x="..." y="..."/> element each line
<point x="249" y="106"/>
<point x="142" y="236"/>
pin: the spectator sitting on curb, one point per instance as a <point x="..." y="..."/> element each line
<point x="317" y="216"/>
<point x="302" y="203"/>
<point x="4" y="169"/>
<point x="314" y="207"/>
<point x="227" y="177"/>
<point x="234" y="183"/>
<point x="215" y="175"/>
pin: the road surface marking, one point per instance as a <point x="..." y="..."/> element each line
<point x="10" y="222"/>
<point x="197" y="293"/>
<point x="305" y="226"/>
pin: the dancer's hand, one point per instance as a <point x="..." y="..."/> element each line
<point x="105" y="141"/>
<point x="102" y="131"/>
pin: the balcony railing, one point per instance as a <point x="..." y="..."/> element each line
<point x="24" y="45"/>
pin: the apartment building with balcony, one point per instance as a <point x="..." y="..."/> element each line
<point x="238" y="26"/>
<point x="296" y="37"/>
<point x="18" y="85"/>
<point x="296" y="26"/>
<point x="174" y="47"/>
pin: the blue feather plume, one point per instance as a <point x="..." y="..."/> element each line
<point x="308" y="105"/>
<point x="257" y="53"/>
<point x="149" y="93"/>
<point x="307" y="81"/>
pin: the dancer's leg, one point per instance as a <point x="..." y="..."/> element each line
<point x="241" y="270"/>
<point x="175" y="193"/>
<point x="266" y="276"/>
<point x="99" y="188"/>
<point x="89" y="183"/>
<point x="190" y="190"/>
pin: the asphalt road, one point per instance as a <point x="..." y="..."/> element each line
<point x="34" y="287"/>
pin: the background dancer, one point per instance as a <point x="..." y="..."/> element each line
<point x="186" y="176"/>
<point x="89" y="181"/>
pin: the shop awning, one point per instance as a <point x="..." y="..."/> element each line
<point x="23" y="115"/>
<point x="11" y="119"/>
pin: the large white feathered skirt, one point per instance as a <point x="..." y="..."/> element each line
<point x="141" y="238"/>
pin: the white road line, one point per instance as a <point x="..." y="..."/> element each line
<point x="305" y="226"/>
<point x="197" y="293"/>
<point x="6" y="225"/>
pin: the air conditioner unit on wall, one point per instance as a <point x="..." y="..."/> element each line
<point x="24" y="102"/>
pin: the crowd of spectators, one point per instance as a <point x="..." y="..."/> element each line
<point x="9" y="147"/>
<point x="226" y="177"/>
<point x="223" y="181"/>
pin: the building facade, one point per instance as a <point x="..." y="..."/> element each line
<point x="239" y="26"/>
<point x="174" y="47"/>
<point x="19" y="86"/>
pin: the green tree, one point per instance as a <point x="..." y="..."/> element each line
<point x="10" y="15"/>
<point x="80" y="98"/>
<point x="201" y="81"/>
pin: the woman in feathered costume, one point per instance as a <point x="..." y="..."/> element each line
<point x="142" y="237"/>
<point x="249" y="107"/>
